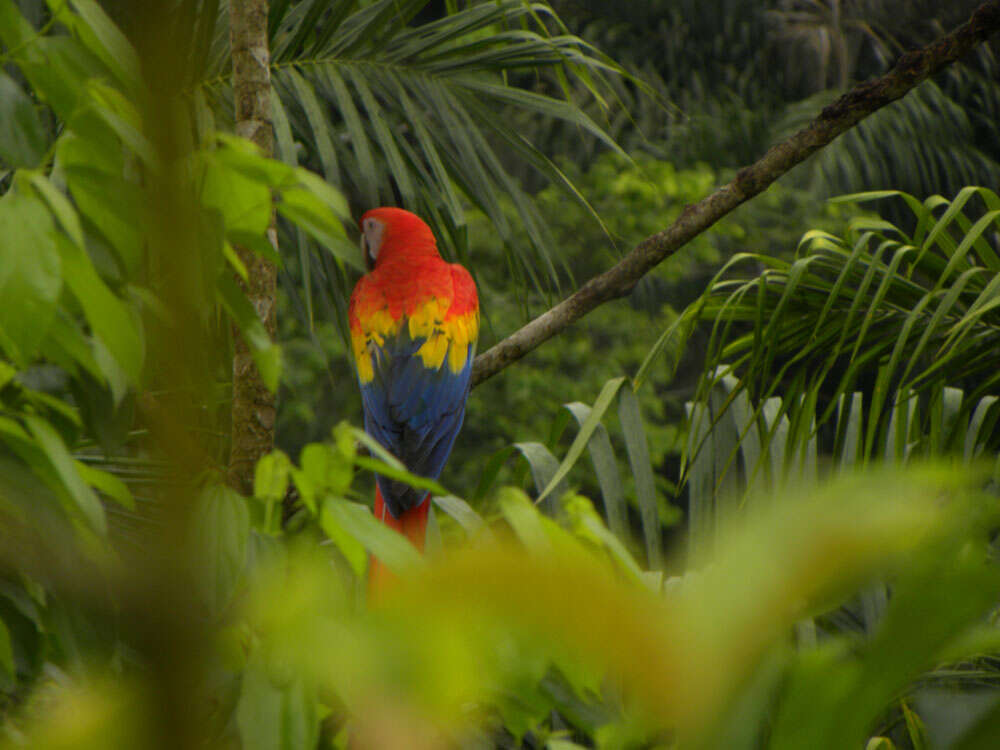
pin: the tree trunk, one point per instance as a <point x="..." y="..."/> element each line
<point x="254" y="407"/>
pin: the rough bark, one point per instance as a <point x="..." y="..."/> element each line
<point x="861" y="101"/>
<point x="254" y="406"/>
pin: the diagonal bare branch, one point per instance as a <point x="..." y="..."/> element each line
<point x="861" y="101"/>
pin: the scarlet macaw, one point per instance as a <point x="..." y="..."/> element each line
<point x="414" y="322"/>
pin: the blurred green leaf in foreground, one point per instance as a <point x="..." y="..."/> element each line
<point x="706" y="660"/>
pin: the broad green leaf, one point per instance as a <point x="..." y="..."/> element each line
<point x="700" y="481"/>
<point x="604" y="399"/>
<point x="121" y="116"/>
<point x="391" y="472"/>
<point x="303" y="208"/>
<point x="57" y="67"/>
<point x="271" y="476"/>
<point x="15" y="31"/>
<point x="330" y="196"/>
<point x="259" y="243"/>
<point x="974" y="438"/>
<point x="244" y="156"/>
<point x="221" y="530"/>
<point x="327" y="470"/>
<point x="387" y="465"/>
<point x="606" y="467"/>
<point x="642" y="471"/>
<point x="274" y="714"/>
<point x="60" y="206"/>
<point x="110" y="370"/>
<point x="463" y="513"/>
<point x="107" y="483"/>
<point x="110" y="319"/>
<point x="109" y="202"/>
<point x="67" y="471"/>
<point x="543" y="467"/>
<point x="525" y="519"/>
<point x="947" y="593"/>
<point x="307" y="491"/>
<point x="68" y="347"/>
<point x="585" y="523"/>
<point x="30" y="272"/>
<point x="349" y="545"/>
<point x="23" y="139"/>
<point x="244" y="202"/>
<point x="106" y="41"/>
<point x="392" y="549"/>
<point x="7" y="373"/>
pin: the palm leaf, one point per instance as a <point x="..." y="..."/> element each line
<point x="921" y="144"/>
<point x="912" y="320"/>
<point x="417" y="115"/>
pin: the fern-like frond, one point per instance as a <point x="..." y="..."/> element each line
<point x="892" y="318"/>
<point x="923" y="144"/>
<point x="419" y="114"/>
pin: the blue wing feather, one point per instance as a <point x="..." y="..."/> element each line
<point x="414" y="412"/>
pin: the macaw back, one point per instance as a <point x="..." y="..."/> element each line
<point x="414" y="323"/>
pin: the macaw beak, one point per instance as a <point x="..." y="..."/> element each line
<point x="369" y="260"/>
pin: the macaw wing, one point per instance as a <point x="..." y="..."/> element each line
<point x="414" y="411"/>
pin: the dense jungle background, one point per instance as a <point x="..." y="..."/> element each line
<point x="752" y="504"/>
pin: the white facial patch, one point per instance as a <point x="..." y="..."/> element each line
<point x="371" y="240"/>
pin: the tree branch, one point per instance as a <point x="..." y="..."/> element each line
<point x="861" y="101"/>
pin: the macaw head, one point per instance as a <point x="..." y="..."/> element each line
<point x="393" y="233"/>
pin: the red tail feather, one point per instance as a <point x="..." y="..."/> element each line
<point x="412" y="524"/>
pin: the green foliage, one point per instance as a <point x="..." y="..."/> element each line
<point x="167" y="610"/>
<point x="923" y="144"/>
<point x="909" y="318"/>
<point x="86" y="294"/>
<point x="707" y="62"/>
<point x="395" y="112"/>
<point x="505" y="629"/>
<point x="550" y="476"/>
<point x="861" y="350"/>
<point x="732" y="78"/>
<point x="637" y="199"/>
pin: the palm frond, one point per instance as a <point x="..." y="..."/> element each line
<point x="418" y="115"/>
<point x="907" y="325"/>
<point x="922" y="144"/>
